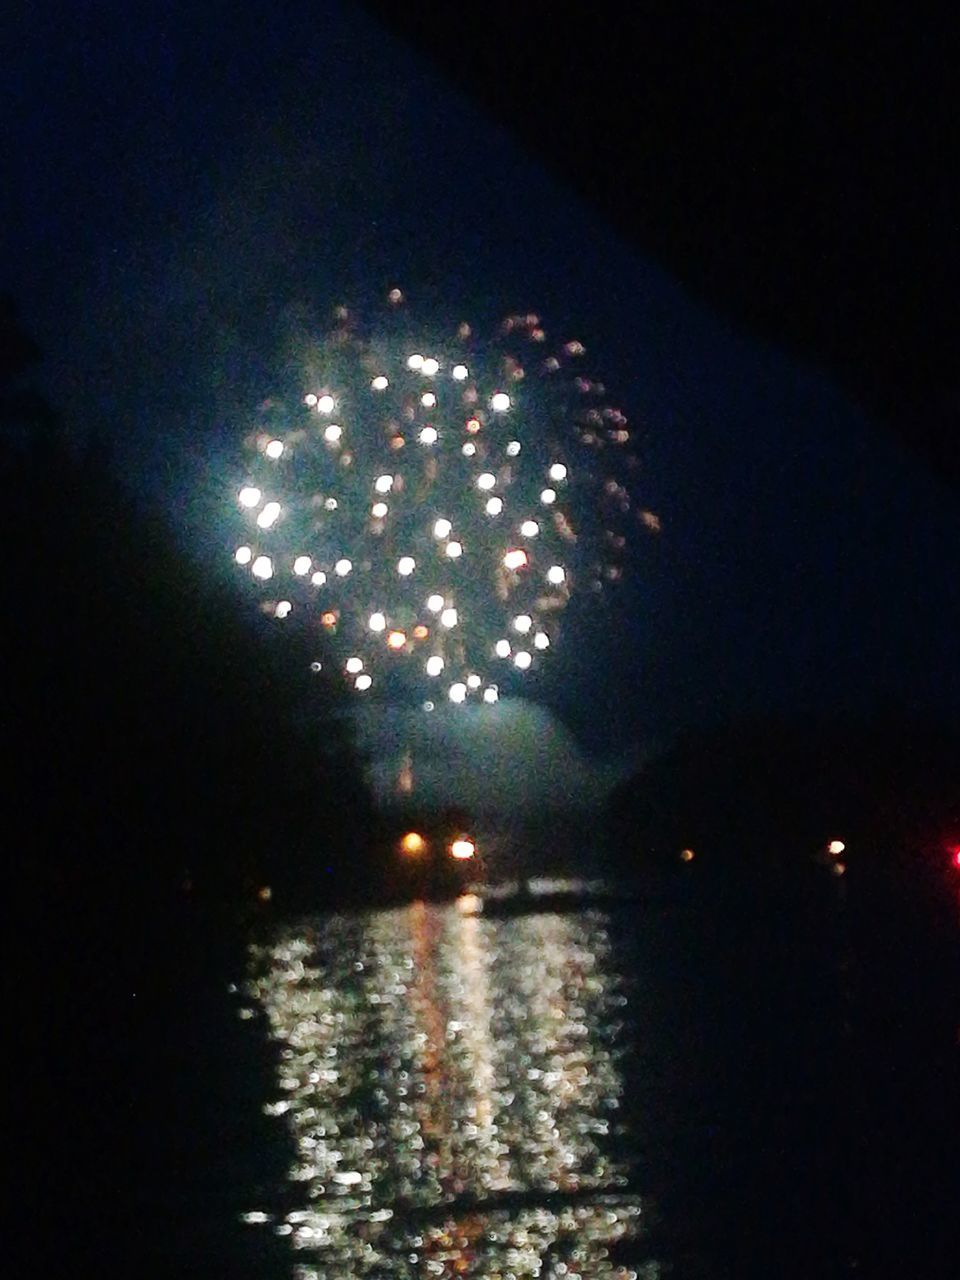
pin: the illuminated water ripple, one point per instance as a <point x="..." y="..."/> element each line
<point x="453" y="1090"/>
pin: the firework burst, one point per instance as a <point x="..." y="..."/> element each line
<point x="434" y="506"/>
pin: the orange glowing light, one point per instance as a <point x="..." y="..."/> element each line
<point x="329" y="619"/>
<point x="397" y="442"/>
<point x="462" y="848"/>
<point x="396" y="639"/>
<point x="413" y="843"/>
<point x="687" y="855"/>
<point x="265" y="894"/>
<point x="421" y="632"/>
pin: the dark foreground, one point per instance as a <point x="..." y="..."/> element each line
<point x="712" y="1078"/>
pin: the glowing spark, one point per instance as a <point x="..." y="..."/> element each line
<point x="268" y="516"/>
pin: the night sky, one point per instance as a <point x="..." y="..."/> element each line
<point x="186" y="180"/>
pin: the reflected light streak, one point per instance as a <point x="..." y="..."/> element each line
<point x="430" y="1060"/>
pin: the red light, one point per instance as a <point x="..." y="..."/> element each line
<point x="956" y="857"/>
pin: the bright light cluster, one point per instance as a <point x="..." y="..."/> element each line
<point x="463" y="493"/>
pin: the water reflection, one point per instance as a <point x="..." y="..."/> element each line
<point x="453" y="1089"/>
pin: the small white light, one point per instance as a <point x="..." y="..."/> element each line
<point x="330" y="504"/>
<point x="428" y="400"/>
<point x="486" y="480"/>
<point x="522" y="623"/>
<point x="274" y="449"/>
<point x="548" y="496"/>
<point x="448" y="618"/>
<point x="529" y="528"/>
<point x="243" y="555"/>
<point x="332" y="433"/>
<point x="442" y="528"/>
<point x="458" y="692"/>
<point x="316" y="667"/>
<point x="383" y="484"/>
<point x="522" y="660"/>
<point x="515" y="559"/>
<point x="363" y="683"/>
<point x="354" y="665"/>
<point x="513" y="448"/>
<point x="380" y="383"/>
<point x="494" y="506"/>
<point x="415" y="362"/>
<point x="282" y="609"/>
<point x="454" y="550"/>
<point x="460" y="371"/>
<point x="556" y="574"/>
<point x="342" y="567"/>
<point x="473" y="682"/>
<point x="249" y="495"/>
<point x="325" y="404"/>
<point x="377" y="622"/>
<point x="379" y="510"/>
<point x="435" y="603"/>
<point x="434" y="665"/>
<point x="557" y="471"/>
<point x="541" y="640"/>
<point x="502" y="648"/>
<point x="301" y="565"/>
<point x="406" y="566"/>
<point x="428" y="705"/>
<point x="500" y="403"/>
<point x="319" y="578"/>
<point x="430" y="366"/>
<point x="262" y="567"/>
<point x="428" y="435"/>
<point x="268" y="515"/>
<point x="491" y="694"/>
<point x="310" y="400"/>
<point x="469" y="449"/>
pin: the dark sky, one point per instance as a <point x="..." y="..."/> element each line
<point x="184" y="178"/>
